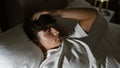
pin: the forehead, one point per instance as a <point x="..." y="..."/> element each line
<point x="40" y="33"/>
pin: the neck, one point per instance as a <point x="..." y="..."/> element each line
<point x="48" y="47"/>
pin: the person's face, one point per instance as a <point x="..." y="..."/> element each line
<point x="50" y="38"/>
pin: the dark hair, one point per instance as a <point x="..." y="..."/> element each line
<point x="45" y="22"/>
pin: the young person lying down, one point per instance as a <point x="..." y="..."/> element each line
<point x="60" y="51"/>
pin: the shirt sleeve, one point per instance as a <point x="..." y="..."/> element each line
<point x="78" y="32"/>
<point x="112" y="63"/>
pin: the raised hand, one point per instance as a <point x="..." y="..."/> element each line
<point x="38" y="14"/>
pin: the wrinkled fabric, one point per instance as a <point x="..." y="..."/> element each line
<point x="78" y="32"/>
<point x="17" y="51"/>
<point x="71" y="54"/>
<point x="74" y="53"/>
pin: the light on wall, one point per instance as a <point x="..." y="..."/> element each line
<point x="101" y="5"/>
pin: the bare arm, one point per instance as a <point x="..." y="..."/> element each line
<point x="86" y="16"/>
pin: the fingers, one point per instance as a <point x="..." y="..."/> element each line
<point x="38" y="14"/>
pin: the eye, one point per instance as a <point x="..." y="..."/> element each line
<point x="47" y="31"/>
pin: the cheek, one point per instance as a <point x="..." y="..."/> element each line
<point x="46" y="37"/>
<point x="49" y="37"/>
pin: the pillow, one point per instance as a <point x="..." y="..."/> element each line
<point x="17" y="51"/>
<point x="78" y="3"/>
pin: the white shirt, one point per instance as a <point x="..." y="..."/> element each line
<point x="78" y="32"/>
<point x="74" y="53"/>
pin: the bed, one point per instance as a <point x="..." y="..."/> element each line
<point x="17" y="51"/>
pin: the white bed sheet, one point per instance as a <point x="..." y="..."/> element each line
<point x="17" y="51"/>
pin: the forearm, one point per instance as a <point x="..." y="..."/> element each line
<point x="86" y="16"/>
<point x="75" y="13"/>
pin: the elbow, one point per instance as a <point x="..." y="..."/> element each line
<point x="93" y="15"/>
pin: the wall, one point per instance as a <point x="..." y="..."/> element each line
<point x="3" y="18"/>
<point x="14" y="12"/>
